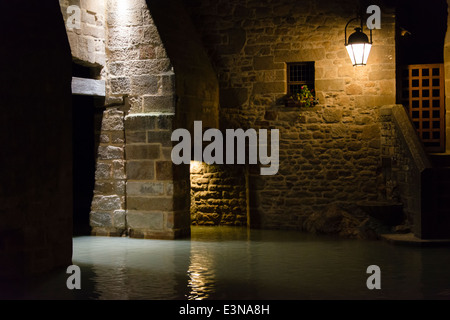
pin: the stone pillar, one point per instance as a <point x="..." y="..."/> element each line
<point x="157" y="190"/>
<point x="138" y="189"/>
<point x="108" y="205"/>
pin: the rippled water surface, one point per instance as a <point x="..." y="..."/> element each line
<point x="237" y="263"/>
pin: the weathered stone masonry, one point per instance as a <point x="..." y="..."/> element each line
<point x="140" y="88"/>
<point x="107" y="209"/>
<point x="135" y="183"/>
<point x="329" y="154"/>
<point x="88" y="42"/>
<point x="322" y="161"/>
<point x="218" y="194"/>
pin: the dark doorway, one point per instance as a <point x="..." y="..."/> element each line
<point x="83" y="161"/>
<point x="87" y="115"/>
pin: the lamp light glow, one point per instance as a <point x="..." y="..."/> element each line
<point x="358" y="45"/>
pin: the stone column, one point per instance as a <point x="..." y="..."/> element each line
<point x="108" y="205"/>
<point x="150" y="198"/>
<point x="157" y="190"/>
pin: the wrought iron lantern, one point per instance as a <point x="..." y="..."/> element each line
<point x="358" y="44"/>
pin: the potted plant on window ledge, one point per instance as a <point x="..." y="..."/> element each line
<point x="302" y="98"/>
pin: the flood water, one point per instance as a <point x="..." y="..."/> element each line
<point x="236" y="263"/>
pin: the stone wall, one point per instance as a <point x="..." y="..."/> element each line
<point x="88" y="46"/>
<point x="157" y="81"/>
<point x="323" y="160"/>
<point x="144" y="195"/>
<point x="157" y="191"/>
<point x="135" y="179"/>
<point x="328" y="154"/>
<point x="87" y="42"/>
<point x="107" y="215"/>
<point x="250" y="43"/>
<point x="218" y="194"/>
<point x="196" y="84"/>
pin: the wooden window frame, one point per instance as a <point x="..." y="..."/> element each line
<point x="418" y="96"/>
<point x="309" y="82"/>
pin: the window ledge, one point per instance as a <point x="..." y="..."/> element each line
<point x="284" y="108"/>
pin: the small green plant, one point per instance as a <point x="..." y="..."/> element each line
<point x="304" y="97"/>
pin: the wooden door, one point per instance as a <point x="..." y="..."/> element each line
<point x="423" y="96"/>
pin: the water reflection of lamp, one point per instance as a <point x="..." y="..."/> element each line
<point x="202" y="281"/>
<point x="358" y="44"/>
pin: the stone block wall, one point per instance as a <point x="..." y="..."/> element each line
<point x="218" y="194"/>
<point x="157" y="81"/>
<point x="88" y="47"/>
<point x="324" y="160"/>
<point x="250" y="44"/>
<point x="107" y="215"/>
<point x="87" y="42"/>
<point x="157" y="190"/>
<point x="138" y="191"/>
<point x="329" y="154"/>
<point x="140" y="74"/>
<point x="196" y="84"/>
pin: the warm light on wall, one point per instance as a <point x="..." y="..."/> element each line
<point x="195" y="166"/>
<point x="123" y="13"/>
<point x="122" y="5"/>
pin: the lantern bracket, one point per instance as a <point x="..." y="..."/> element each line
<point x="359" y="17"/>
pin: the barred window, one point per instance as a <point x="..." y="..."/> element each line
<point x="299" y="74"/>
